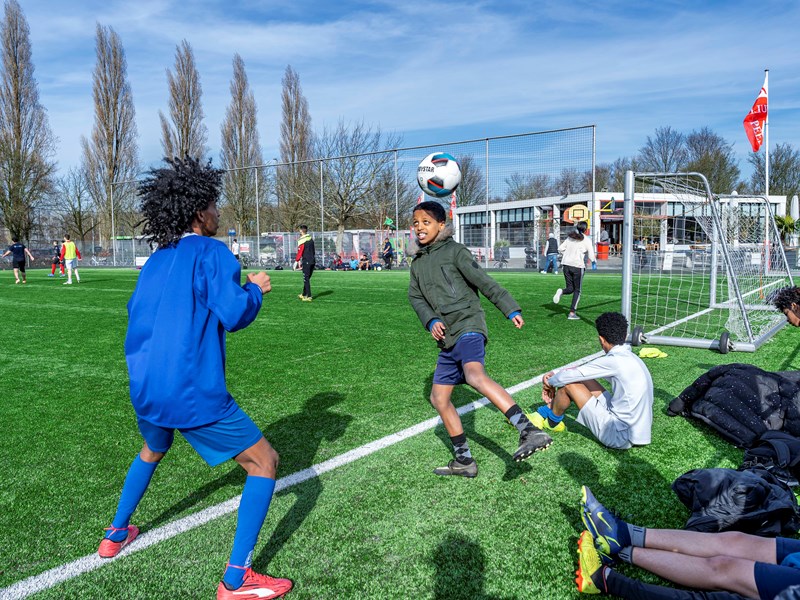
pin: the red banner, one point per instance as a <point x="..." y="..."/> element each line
<point x="452" y="204"/>
<point x="756" y="118"/>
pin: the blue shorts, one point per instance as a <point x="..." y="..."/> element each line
<point x="215" y="442"/>
<point x="470" y="347"/>
<point x="771" y="579"/>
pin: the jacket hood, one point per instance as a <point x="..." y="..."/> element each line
<point x="414" y="247"/>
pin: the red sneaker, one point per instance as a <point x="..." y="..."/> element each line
<point x="255" y="587"/>
<point x="109" y="548"/>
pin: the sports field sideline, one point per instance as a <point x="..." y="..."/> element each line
<point x="323" y="379"/>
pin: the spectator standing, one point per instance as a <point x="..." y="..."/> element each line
<point x="551" y="254"/>
<point x="306" y="259"/>
<point x="388" y="253"/>
<point x="235" y="248"/>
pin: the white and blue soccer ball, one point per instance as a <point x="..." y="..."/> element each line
<point x="439" y="174"/>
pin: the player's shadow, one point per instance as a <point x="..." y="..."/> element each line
<point x="234" y="477"/>
<point x="323" y="294"/>
<point x="636" y="485"/>
<point x="460" y="565"/>
<point x="463" y="395"/>
<point x="298" y="439"/>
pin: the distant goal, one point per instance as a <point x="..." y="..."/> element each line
<point x="698" y="268"/>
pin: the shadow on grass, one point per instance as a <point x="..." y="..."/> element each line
<point x="634" y="480"/>
<point x="298" y="439"/>
<point x="563" y="308"/>
<point x="460" y="565"/>
<point x="233" y="477"/>
<point x="323" y="294"/>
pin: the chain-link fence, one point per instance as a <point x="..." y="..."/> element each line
<point x="353" y="202"/>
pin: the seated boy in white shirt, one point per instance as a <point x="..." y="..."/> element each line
<point x="619" y="419"/>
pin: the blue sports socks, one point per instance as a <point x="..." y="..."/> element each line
<point x="256" y="496"/>
<point x="547" y="413"/>
<point x="518" y="419"/>
<point x="136" y="482"/>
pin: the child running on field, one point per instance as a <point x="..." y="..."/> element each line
<point x="445" y="280"/>
<point x="188" y="295"/>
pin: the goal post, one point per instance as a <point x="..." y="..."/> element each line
<point x="698" y="268"/>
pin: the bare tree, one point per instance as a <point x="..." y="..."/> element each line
<point x="184" y="134"/>
<point x="349" y="182"/>
<point x="665" y="152"/>
<point x="709" y="154"/>
<point x="784" y="171"/>
<point x="295" y="179"/>
<point x="524" y="187"/>
<point x="74" y="204"/>
<point x="241" y="148"/>
<point x="383" y="200"/>
<point x="472" y="189"/>
<point x="27" y="145"/>
<point x="570" y="181"/>
<point x="618" y="169"/>
<point x="602" y="178"/>
<point x="111" y="155"/>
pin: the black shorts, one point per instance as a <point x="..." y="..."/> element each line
<point x="19" y="264"/>
<point x="56" y="260"/>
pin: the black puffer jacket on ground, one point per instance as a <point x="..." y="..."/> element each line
<point x="742" y="401"/>
<point x="751" y="501"/>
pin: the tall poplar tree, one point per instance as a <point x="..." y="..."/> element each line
<point x="241" y="148"/>
<point x="27" y="145"/>
<point x="184" y="133"/>
<point x="111" y="154"/>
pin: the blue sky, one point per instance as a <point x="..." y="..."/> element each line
<point x="439" y="71"/>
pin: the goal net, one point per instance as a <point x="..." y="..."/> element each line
<point x="699" y="268"/>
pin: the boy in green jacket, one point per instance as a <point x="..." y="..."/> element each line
<point x="445" y="280"/>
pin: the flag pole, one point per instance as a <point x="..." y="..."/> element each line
<point x="766" y="136"/>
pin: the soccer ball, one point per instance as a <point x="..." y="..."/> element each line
<point x="438" y="174"/>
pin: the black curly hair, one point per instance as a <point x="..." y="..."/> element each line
<point x="433" y="208"/>
<point x="613" y="326"/>
<point x="172" y="196"/>
<point x="785" y="297"/>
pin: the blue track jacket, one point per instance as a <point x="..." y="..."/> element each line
<point x="187" y="297"/>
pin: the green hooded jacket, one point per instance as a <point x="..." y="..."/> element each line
<point x="445" y="281"/>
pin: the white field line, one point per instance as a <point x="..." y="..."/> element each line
<point x="56" y="575"/>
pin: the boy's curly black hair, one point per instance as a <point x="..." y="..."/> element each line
<point x="613" y="326"/>
<point x="172" y="196"/>
<point x="434" y="209"/>
<point x="785" y="297"/>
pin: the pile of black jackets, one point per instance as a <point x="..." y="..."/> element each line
<point x="759" y="411"/>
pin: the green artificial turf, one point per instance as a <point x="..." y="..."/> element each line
<point x="320" y="379"/>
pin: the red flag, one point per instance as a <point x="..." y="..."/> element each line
<point x="452" y="204"/>
<point x="419" y="198"/>
<point x="756" y="118"/>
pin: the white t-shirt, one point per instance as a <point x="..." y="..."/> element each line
<point x="235" y="248"/>
<point x="632" y="388"/>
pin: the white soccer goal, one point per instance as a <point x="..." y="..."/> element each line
<point x="698" y="269"/>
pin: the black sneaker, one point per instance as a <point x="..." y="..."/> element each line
<point x="456" y="468"/>
<point x="530" y="441"/>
